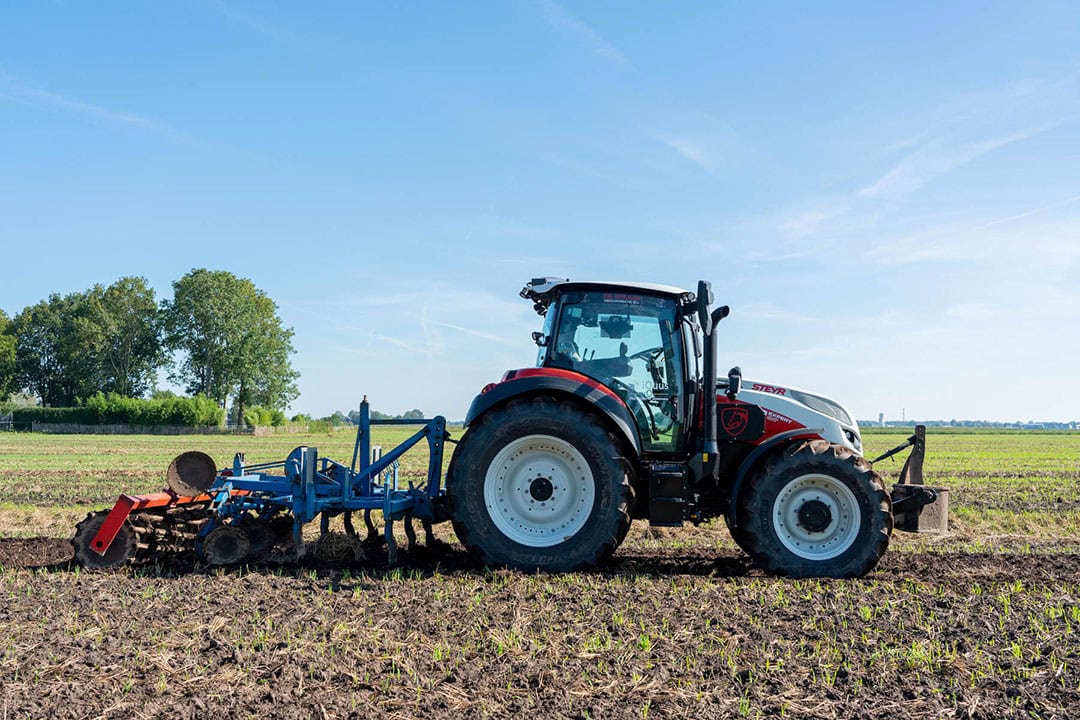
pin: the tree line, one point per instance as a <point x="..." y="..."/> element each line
<point x="218" y="336"/>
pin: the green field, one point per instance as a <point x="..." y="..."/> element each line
<point x="1016" y="487"/>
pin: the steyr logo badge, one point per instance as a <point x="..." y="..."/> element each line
<point x="734" y="420"/>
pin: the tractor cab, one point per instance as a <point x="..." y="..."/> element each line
<point x="636" y="339"/>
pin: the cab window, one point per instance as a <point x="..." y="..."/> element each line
<point x="627" y="342"/>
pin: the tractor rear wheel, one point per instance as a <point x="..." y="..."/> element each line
<point x="540" y="484"/>
<point x="815" y="510"/>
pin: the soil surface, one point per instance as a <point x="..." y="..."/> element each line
<point x="663" y="630"/>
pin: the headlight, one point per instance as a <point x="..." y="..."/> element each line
<point x="853" y="438"/>
<point x="822" y="405"/>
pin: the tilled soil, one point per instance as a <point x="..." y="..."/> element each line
<point x="667" y="629"/>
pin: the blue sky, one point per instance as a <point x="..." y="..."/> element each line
<point x="887" y="196"/>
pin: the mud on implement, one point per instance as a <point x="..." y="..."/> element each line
<point x="624" y="417"/>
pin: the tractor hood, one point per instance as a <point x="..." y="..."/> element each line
<point x="788" y="406"/>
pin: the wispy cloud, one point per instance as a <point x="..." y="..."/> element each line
<point x="1034" y="211"/>
<point x="476" y="333"/>
<point x="594" y="41"/>
<point x="1047" y="246"/>
<point x="703" y="139"/>
<point x="397" y="342"/>
<point x="939" y="156"/>
<point x="691" y="149"/>
<point x="29" y="96"/>
<point x="972" y="108"/>
<point x="21" y="93"/>
<point x="252" y="23"/>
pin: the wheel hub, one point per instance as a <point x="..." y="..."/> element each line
<point x="541" y="489"/>
<point x="814" y="516"/>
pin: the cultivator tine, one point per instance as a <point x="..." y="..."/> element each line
<point x="373" y="536"/>
<point x="298" y="537"/>
<point x="324" y="524"/>
<point x="410" y="532"/>
<point x="429" y="533"/>
<point x="350" y="530"/>
<point x="391" y="543"/>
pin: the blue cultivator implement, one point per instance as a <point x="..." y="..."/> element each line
<point x="240" y="513"/>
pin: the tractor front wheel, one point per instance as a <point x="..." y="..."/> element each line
<point x="815" y="510"/>
<point x="540" y="484"/>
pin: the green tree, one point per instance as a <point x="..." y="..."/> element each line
<point x="53" y="350"/>
<point x="123" y="329"/>
<point x="7" y="357"/>
<point x="233" y="340"/>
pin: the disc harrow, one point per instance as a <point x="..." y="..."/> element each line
<point x="143" y="537"/>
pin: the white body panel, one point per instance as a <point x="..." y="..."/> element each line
<point x="786" y="401"/>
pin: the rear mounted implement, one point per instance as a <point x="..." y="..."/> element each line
<point x="239" y="513"/>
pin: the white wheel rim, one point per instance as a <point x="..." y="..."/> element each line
<point x="539" y="491"/>
<point x="843" y="520"/>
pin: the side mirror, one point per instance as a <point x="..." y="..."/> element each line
<point x="734" y="382"/>
<point x="540" y="339"/>
<point x="704" y="300"/>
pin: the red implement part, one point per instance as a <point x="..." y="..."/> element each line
<point x="127" y="504"/>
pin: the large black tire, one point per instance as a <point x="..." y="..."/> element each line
<point x="738" y="534"/>
<point x="574" y="462"/>
<point x="815" y="510"/>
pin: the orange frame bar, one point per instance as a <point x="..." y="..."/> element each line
<point x="127" y="504"/>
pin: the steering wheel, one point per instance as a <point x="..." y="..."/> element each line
<point x="649" y="354"/>
<point x="638" y="403"/>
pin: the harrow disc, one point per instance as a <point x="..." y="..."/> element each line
<point x="119" y="552"/>
<point x="226" y="545"/>
<point x="191" y="473"/>
<point x="261" y="537"/>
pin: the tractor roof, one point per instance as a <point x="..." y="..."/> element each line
<point x="541" y="290"/>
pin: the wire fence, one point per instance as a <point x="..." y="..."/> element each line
<point x="9" y="425"/>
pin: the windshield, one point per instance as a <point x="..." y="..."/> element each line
<point x="628" y="343"/>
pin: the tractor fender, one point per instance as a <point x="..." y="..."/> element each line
<point x="552" y="381"/>
<point x="751" y="461"/>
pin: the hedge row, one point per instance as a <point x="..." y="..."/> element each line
<point x="114" y="409"/>
<point x="263" y="417"/>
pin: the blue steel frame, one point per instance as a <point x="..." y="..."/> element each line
<point x="310" y="485"/>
